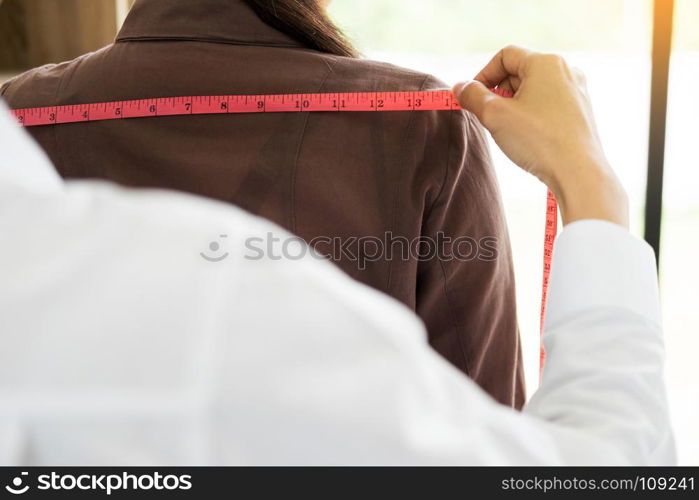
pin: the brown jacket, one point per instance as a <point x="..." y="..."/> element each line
<point x="392" y="175"/>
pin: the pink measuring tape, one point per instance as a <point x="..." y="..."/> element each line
<point x="431" y="100"/>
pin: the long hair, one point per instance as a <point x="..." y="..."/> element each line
<point x="305" y="21"/>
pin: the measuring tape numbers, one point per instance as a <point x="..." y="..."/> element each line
<point x="441" y="100"/>
<point x="429" y="100"/>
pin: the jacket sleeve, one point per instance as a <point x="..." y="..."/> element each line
<point x="466" y="296"/>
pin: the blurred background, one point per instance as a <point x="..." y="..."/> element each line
<point x="610" y="40"/>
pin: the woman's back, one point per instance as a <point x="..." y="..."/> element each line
<point x="364" y="186"/>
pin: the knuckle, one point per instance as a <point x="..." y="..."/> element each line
<point x="552" y="59"/>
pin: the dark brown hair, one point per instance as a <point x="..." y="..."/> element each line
<point x="305" y="21"/>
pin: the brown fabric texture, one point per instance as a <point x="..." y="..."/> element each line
<point x="337" y="175"/>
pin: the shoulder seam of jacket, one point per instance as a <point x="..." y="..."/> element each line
<point x="447" y="166"/>
<point x="445" y="288"/>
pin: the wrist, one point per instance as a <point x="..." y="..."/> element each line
<point x="593" y="192"/>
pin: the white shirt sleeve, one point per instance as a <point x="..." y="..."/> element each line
<point x="363" y="388"/>
<point x="604" y="375"/>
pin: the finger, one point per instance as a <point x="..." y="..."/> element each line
<point x="510" y="84"/>
<point x="506" y="86"/>
<point x="473" y="96"/>
<point x="508" y="62"/>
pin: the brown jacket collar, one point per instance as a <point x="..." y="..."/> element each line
<point x="222" y="21"/>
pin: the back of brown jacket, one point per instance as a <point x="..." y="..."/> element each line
<point x="409" y="200"/>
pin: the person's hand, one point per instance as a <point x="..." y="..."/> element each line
<point x="548" y="129"/>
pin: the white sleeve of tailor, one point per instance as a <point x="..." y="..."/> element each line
<point x="22" y="159"/>
<point x="604" y="374"/>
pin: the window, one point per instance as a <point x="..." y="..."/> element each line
<point x="679" y="272"/>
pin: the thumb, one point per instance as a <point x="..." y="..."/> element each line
<point x="473" y="96"/>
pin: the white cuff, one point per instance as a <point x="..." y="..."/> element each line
<point x="598" y="264"/>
